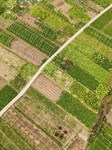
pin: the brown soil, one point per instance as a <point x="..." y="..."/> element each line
<point x="7" y="72"/>
<point x="5" y="23"/>
<point x="78" y="144"/>
<point x="109" y="117"/>
<point x="61" y="5"/>
<point x="2" y="83"/>
<point x="47" y="88"/>
<point x="11" y="58"/>
<point x="28" y="19"/>
<point x="27" y="52"/>
<point x="91" y="14"/>
<point x="95" y="6"/>
<point x="29" y="130"/>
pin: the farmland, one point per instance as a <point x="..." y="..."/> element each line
<point x="102" y="139"/>
<point x="34" y="39"/>
<point x="6" y="95"/>
<point x="65" y="104"/>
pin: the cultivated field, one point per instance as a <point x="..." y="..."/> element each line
<point x="27" y="52"/>
<point x="62" y="107"/>
<point x="47" y="88"/>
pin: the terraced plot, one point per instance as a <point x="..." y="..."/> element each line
<point x="102" y="139"/>
<point x="27" y="52"/>
<point x="33" y="38"/>
<point x="6" y="95"/>
<point x="47" y="88"/>
<point x="11" y="138"/>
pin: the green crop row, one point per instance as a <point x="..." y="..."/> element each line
<point x="99" y="36"/>
<point x="85" y="95"/>
<point x="6" y="95"/>
<point x="33" y="38"/>
<point x="92" y="45"/>
<point x="77" y="109"/>
<point x="103" y="3"/>
<point x="83" y="77"/>
<point x="48" y="17"/>
<point x="102" y="21"/>
<point x="47" y="30"/>
<point x="102" y="139"/>
<point x="79" y="13"/>
<point x="108" y="29"/>
<point x="87" y="64"/>
<point x="92" y="54"/>
<point x="6" y="38"/>
<point x="14" y="139"/>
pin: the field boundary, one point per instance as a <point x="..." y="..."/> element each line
<point x="23" y="91"/>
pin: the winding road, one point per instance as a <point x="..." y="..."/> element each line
<point x="23" y="91"/>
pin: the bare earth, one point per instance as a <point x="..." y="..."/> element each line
<point x="28" y="19"/>
<point x="7" y="72"/>
<point x="78" y="144"/>
<point x="95" y="6"/>
<point x="61" y="5"/>
<point x="109" y="117"/>
<point x="5" y="23"/>
<point x="2" y="83"/>
<point x="27" y="52"/>
<point x="11" y="58"/>
<point x="29" y="130"/>
<point x="47" y="88"/>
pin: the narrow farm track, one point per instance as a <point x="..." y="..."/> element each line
<point x="49" y="60"/>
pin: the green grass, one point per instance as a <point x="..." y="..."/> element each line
<point x="77" y="109"/>
<point x="103" y="3"/>
<point x="6" y="95"/>
<point x="108" y="29"/>
<point x="33" y="38"/>
<point x="102" y="21"/>
<point x="83" y="77"/>
<point x="18" y="82"/>
<point x="5" y="38"/>
<point x="27" y="71"/>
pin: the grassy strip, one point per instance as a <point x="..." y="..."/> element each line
<point x="5" y="38"/>
<point x="99" y="36"/>
<point x="103" y="3"/>
<point x="6" y="95"/>
<point x="102" y="21"/>
<point x="51" y="137"/>
<point x="33" y="38"/>
<point x="13" y="133"/>
<point x="84" y="77"/>
<point x="77" y="109"/>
